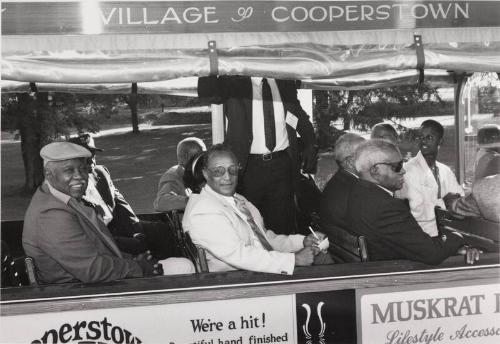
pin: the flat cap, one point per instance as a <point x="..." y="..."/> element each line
<point x="58" y="151"/>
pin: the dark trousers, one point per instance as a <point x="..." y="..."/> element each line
<point x="160" y="239"/>
<point x="157" y="237"/>
<point x="269" y="186"/>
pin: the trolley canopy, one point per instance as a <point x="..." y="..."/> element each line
<point x="327" y="44"/>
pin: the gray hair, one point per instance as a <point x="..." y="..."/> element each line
<point x="380" y="129"/>
<point x="345" y="146"/>
<point x="188" y="145"/>
<point x="372" y="152"/>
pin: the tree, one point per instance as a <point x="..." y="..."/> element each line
<point x="362" y="109"/>
<point x="42" y="117"/>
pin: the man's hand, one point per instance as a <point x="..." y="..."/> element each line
<point x="309" y="156"/>
<point x="470" y="254"/>
<point x="449" y="199"/>
<point x="305" y="257"/>
<point x="149" y="266"/>
<point x="311" y="240"/>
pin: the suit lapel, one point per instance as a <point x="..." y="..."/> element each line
<point x="94" y="224"/>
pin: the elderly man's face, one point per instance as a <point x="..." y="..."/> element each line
<point x="390" y="171"/>
<point x="69" y="176"/>
<point x="222" y="173"/>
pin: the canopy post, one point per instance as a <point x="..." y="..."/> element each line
<point x="419" y="49"/>
<point x="212" y="55"/>
<point x="217" y="110"/>
<point x="461" y="79"/>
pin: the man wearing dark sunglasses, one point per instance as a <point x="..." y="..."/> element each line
<point x="429" y="183"/>
<point x="232" y="230"/>
<point x="386" y="222"/>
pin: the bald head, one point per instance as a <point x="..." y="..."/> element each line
<point x="386" y="132"/>
<point x="380" y="162"/>
<point x="345" y="147"/>
<point x="189" y="147"/>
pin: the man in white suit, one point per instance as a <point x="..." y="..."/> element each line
<point x="232" y="230"/>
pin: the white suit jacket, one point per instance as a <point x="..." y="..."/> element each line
<point x="421" y="190"/>
<point x="216" y="225"/>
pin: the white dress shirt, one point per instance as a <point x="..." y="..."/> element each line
<point x="421" y="190"/>
<point x="259" y="142"/>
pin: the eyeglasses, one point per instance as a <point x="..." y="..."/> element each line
<point x="219" y="171"/>
<point x="395" y="166"/>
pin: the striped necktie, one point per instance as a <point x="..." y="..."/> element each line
<point x="240" y="204"/>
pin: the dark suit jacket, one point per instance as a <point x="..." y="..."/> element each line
<point x="235" y="92"/>
<point x="67" y="245"/>
<point x="334" y="201"/>
<point x="390" y="229"/>
<point x="125" y="222"/>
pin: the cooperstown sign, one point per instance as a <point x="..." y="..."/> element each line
<point x="104" y="17"/>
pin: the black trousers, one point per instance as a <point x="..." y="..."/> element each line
<point x="157" y="237"/>
<point x="269" y="186"/>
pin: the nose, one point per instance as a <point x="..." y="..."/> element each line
<point x="403" y="171"/>
<point x="226" y="175"/>
<point x="77" y="174"/>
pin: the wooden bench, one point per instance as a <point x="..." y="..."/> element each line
<point x="477" y="232"/>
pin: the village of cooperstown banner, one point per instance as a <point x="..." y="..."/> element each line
<point x="93" y="17"/>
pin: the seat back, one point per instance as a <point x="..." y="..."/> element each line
<point x="477" y="232"/>
<point x="187" y="247"/>
<point x="345" y="246"/>
<point x="15" y="272"/>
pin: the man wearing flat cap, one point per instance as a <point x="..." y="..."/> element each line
<point x="68" y="239"/>
<point x="131" y="234"/>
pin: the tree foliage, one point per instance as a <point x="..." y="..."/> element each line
<point x="362" y="109"/>
<point x="41" y="118"/>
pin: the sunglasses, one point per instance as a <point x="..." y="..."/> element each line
<point x="395" y="166"/>
<point x="219" y="171"/>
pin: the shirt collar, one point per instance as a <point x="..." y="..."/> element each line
<point x="58" y="194"/>
<point x="351" y="173"/>
<point x="229" y="199"/>
<point x="386" y="190"/>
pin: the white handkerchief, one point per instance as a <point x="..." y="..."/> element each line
<point x="324" y="244"/>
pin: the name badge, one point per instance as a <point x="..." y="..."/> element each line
<point x="291" y="120"/>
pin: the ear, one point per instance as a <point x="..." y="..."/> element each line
<point x="374" y="171"/>
<point x="47" y="173"/>
<point x="205" y="174"/>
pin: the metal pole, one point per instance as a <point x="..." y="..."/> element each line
<point x="460" y="129"/>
